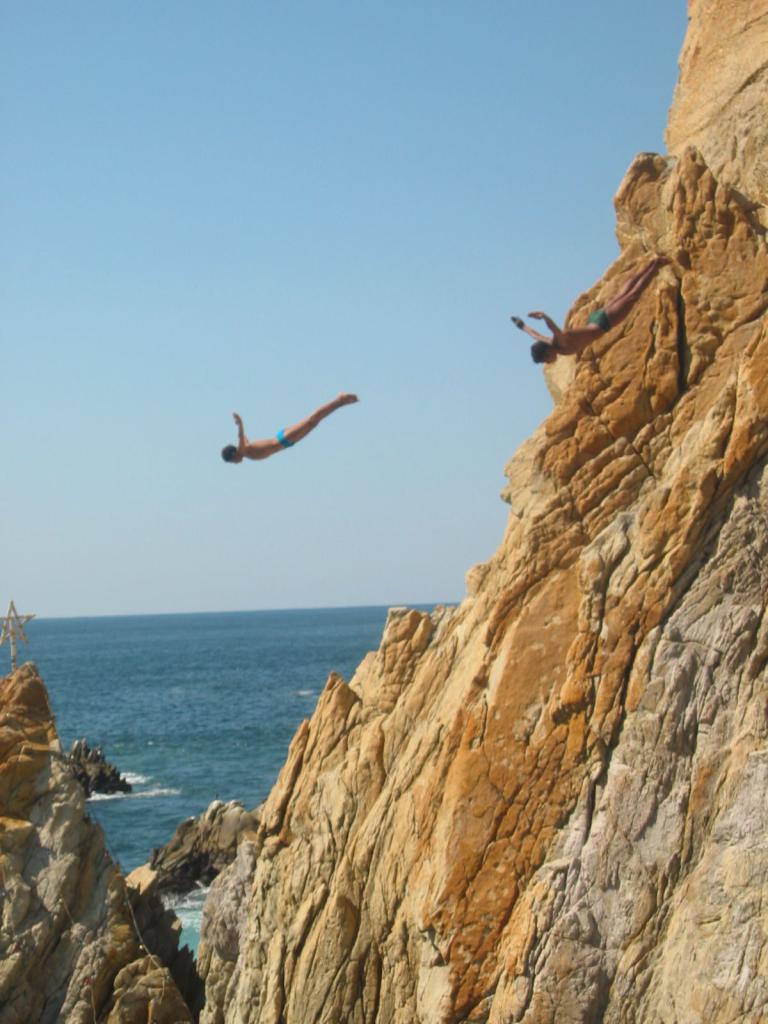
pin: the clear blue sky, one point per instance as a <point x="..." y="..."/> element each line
<point x="252" y="206"/>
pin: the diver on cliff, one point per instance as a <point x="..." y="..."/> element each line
<point x="573" y="339"/>
<point x="286" y="438"/>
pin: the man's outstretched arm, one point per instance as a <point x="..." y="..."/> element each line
<point x="242" y="440"/>
<point x="538" y="315"/>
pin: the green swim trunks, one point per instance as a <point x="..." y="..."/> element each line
<point x="600" y="317"/>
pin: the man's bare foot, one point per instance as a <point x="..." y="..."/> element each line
<point x="347" y="399"/>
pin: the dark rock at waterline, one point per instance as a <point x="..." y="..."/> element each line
<point x="94" y="773"/>
<point x="199" y="849"/>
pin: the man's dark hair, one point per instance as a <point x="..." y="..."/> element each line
<point x="228" y="453"/>
<point x="539" y="351"/>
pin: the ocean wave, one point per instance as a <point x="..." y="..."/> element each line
<point x="189" y="910"/>
<point x="305" y="693"/>
<point x="135" y="779"/>
<point x="158" y="791"/>
<point x="190" y="903"/>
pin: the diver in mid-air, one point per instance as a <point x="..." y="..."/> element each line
<point x="286" y="438"/>
<point x="573" y="339"/>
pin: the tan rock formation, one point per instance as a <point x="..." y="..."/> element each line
<point x="67" y="930"/>
<point x="548" y="805"/>
<point x="721" y="94"/>
<point x="144" y="992"/>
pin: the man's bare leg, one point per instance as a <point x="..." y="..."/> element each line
<point x="618" y="308"/>
<point x="303" y="427"/>
<point x="632" y="282"/>
<point x="576" y="339"/>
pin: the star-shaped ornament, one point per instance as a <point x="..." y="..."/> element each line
<point x="13" y="630"/>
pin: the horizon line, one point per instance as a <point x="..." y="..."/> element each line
<point x="416" y="605"/>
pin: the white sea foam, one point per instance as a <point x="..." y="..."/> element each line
<point x="158" y="791"/>
<point x="305" y="693"/>
<point x="189" y="910"/>
<point x="134" y="779"/>
<point x="188" y="905"/>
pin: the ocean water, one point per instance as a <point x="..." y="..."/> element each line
<point x="191" y="707"/>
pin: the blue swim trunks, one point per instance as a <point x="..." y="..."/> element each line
<point x="284" y="440"/>
<point x="600" y="317"/>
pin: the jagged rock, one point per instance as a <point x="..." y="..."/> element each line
<point x="144" y="992"/>
<point x="719" y="104"/>
<point x="160" y="932"/>
<point x="67" y="929"/>
<point x="549" y="804"/>
<point x="94" y="773"/>
<point x="221" y="931"/>
<point x="199" y="849"/>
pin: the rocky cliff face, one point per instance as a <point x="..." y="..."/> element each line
<point x="548" y="805"/>
<point x="70" y="949"/>
<point x="719" y="103"/>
